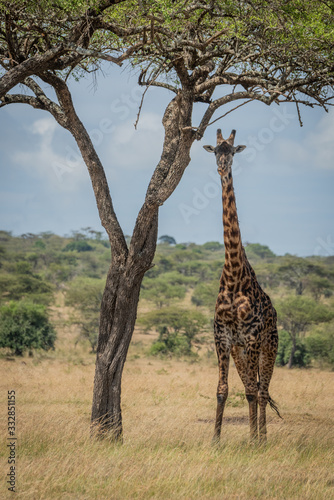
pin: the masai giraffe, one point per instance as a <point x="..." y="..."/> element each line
<point x="245" y="320"/>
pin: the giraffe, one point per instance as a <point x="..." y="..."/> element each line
<point x="245" y="322"/>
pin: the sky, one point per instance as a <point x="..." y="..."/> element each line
<point x="284" y="179"/>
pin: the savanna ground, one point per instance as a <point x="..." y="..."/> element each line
<point x="168" y="416"/>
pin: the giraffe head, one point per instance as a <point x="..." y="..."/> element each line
<point x="224" y="151"/>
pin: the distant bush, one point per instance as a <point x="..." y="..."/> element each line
<point x="78" y="246"/>
<point x="320" y="344"/>
<point x="22" y="283"/>
<point x="205" y="294"/>
<point x="177" y="329"/>
<point x="262" y="251"/>
<point x="40" y="244"/>
<point x="301" y="355"/>
<point x="167" y="239"/>
<point x="213" y="246"/>
<point x="85" y="295"/>
<point x="25" y="326"/>
<point x="160" y="290"/>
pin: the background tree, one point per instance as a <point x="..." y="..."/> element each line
<point x="296" y="313"/>
<point x="167" y="239"/>
<point x="320" y="344"/>
<point x="161" y="290"/>
<point x="216" y="53"/>
<point x="25" y="326"/>
<point x="85" y="294"/>
<point x="178" y="330"/>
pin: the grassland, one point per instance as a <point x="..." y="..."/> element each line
<point x="168" y="411"/>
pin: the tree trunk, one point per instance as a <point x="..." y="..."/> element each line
<point x="117" y="320"/>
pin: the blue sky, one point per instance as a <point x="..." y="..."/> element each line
<point x="284" y="179"/>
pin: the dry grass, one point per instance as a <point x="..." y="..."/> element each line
<point x="168" y="411"/>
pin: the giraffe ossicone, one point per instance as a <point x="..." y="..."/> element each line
<point x="245" y="323"/>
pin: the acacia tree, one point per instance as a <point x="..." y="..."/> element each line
<point x="296" y="313"/>
<point x="215" y="52"/>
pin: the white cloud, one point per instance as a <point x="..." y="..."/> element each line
<point x="132" y="149"/>
<point x="45" y="127"/>
<point x="63" y="171"/>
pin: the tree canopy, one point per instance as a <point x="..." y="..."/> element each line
<point x="266" y="50"/>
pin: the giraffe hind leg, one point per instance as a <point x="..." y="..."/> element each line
<point x="248" y="374"/>
<point x="266" y="367"/>
<point x="223" y="354"/>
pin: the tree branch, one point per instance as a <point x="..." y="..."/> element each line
<point x="29" y="67"/>
<point x="97" y="175"/>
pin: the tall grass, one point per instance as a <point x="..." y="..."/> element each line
<point x="168" y="411"/>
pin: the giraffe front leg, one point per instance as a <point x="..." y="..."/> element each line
<point x="222" y="390"/>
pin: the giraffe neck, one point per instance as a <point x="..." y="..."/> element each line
<point x="234" y="252"/>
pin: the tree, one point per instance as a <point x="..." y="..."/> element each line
<point x="85" y="294"/>
<point x="21" y="283"/>
<point x="177" y="330"/>
<point x="78" y="246"/>
<point x="205" y="294"/>
<point x="167" y="239"/>
<point x="301" y="355"/>
<point x="259" y="50"/>
<point x="296" y="313"/>
<point x="257" y="250"/>
<point x="320" y="344"/>
<point x="319" y="285"/>
<point x="162" y="290"/>
<point x="25" y="326"/>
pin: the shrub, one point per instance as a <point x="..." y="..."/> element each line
<point x="25" y="326"/>
<point x="79" y="246"/>
<point x="301" y="356"/>
<point x="177" y="330"/>
<point x="320" y="344"/>
<point x="85" y="295"/>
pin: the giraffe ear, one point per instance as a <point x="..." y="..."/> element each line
<point x="210" y="149"/>
<point x="239" y="149"/>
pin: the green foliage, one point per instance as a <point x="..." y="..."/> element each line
<point x="319" y="285"/>
<point x="169" y="240"/>
<point x="40" y="244"/>
<point x="161" y="291"/>
<point x="21" y="283"/>
<point x="295" y="313"/>
<point x="205" y="294"/>
<point x="85" y="295"/>
<point x="78" y="246"/>
<point x="320" y="344"/>
<point x="213" y="246"/>
<point x="25" y="326"/>
<point x="257" y="250"/>
<point x="35" y="272"/>
<point x="177" y="329"/>
<point x="301" y="355"/>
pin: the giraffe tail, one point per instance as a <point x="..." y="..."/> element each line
<point x="273" y="405"/>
